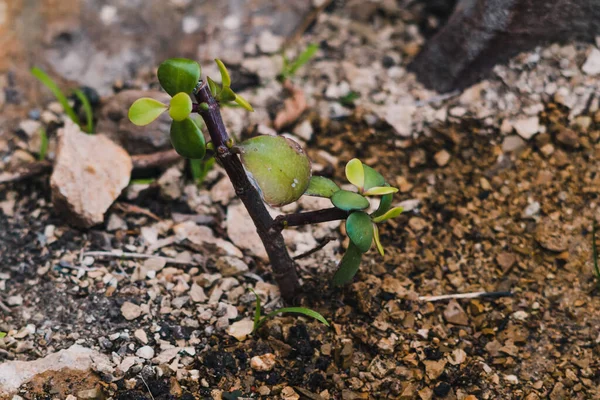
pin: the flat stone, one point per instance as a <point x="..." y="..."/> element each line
<point x="89" y="174"/>
<point x="231" y="266"/>
<point x="265" y="362"/>
<point x="241" y="329"/>
<point x="455" y="314"/>
<point x="197" y="294"/>
<point x="512" y="143"/>
<point x="130" y="311"/>
<point x="145" y="352"/>
<point x="242" y="232"/>
<point x="592" y="63"/>
<point x="399" y="116"/>
<point x="527" y="127"/>
<point x="13" y="374"/>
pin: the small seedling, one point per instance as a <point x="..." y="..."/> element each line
<point x="268" y="169"/>
<point x="259" y="319"/>
<point x="43" y="144"/>
<point x="290" y="67"/>
<point x="349" y="99"/>
<point x="595" y="254"/>
<point x="64" y="102"/>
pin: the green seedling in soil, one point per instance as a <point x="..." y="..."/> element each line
<point x="259" y="319"/>
<point x="349" y="99"/>
<point x="291" y="66"/>
<point x="268" y="169"/>
<point x="595" y="254"/>
<point x="2" y="335"/>
<point x="43" y="144"/>
<point x="64" y="102"/>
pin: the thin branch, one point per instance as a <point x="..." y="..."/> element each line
<point x="155" y="160"/>
<point x="309" y="218"/>
<point x="122" y="254"/>
<point x="475" y="295"/>
<point x="323" y="243"/>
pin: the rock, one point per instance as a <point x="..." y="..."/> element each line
<point x="455" y="314"/>
<point x="167" y="355"/>
<point x="114" y="123"/>
<point x="30" y="127"/>
<point x="441" y="158"/>
<point x="89" y="174"/>
<point x="140" y="335"/>
<point x="506" y="260"/>
<point x="145" y="352"/>
<point x="417" y="224"/>
<point x="200" y="235"/>
<point x="130" y="311"/>
<point x="230" y="266"/>
<point x="222" y="192"/>
<point x="550" y="236"/>
<point x="269" y="43"/>
<point x="242" y="232"/>
<point x="115" y="223"/>
<point x="592" y="63"/>
<point x="14" y="301"/>
<point x="265" y="362"/>
<point x="241" y="329"/>
<point x="170" y="183"/>
<point x="13" y="374"/>
<point x="399" y="116"/>
<point x="197" y="294"/>
<point x="90" y="394"/>
<point x="512" y="143"/>
<point x="527" y="127"/>
<point x="304" y="130"/>
<point x="288" y="393"/>
<point x="568" y="137"/>
<point x="434" y="368"/>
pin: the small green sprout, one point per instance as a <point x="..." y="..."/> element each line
<point x="259" y="319"/>
<point x="2" y="335"/>
<point x="64" y="102"/>
<point x="361" y="227"/>
<point x="290" y="67"/>
<point x="43" y="145"/>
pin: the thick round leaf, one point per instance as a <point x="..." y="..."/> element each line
<point x="181" y="106"/>
<point x="349" y="201"/>
<point x="321" y="187"/>
<point x="348" y="266"/>
<point x="393" y="213"/>
<point x="178" y="75"/>
<point x="384" y="205"/>
<point x="376" y="240"/>
<point x="380" y="191"/>
<point x="372" y="178"/>
<point x="145" y="110"/>
<point x="278" y="166"/>
<point x="187" y="139"/>
<point x="355" y="173"/>
<point x="360" y="230"/>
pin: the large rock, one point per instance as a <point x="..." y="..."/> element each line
<point x="14" y="374"/>
<point x="113" y="122"/>
<point x="482" y="33"/>
<point x="89" y="174"/>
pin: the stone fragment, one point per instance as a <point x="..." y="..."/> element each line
<point x="550" y="236"/>
<point x="506" y="260"/>
<point x="13" y="374"/>
<point x="89" y="174"/>
<point x="241" y="329"/>
<point x="141" y="335"/>
<point x="90" y="394"/>
<point x="265" y="362"/>
<point x="441" y="158"/>
<point x="170" y="183"/>
<point x="15" y="300"/>
<point x="434" y="369"/>
<point x="197" y="294"/>
<point x="455" y="314"/>
<point x="592" y="63"/>
<point x="512" y="143"/>
<point x="242" y="232"/>
<point x="399" y="116"/>
<point x="130" y="311"/>
<point x="527" y="127"/>
<point x="222" y="192"/>
<point x="269" y="43"/>
<point x="230" y="266"/>
<point x="145" y="352"/>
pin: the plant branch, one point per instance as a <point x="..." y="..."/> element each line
<point x="309" y="218"/>
<point x="284" y="268"/>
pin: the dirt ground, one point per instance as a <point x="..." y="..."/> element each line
<point x="488" y="209"/>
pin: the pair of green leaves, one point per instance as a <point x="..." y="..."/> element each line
<point x="360" y="226"/>
<point x="223" y="92"/>
<point x="178" y="77"/>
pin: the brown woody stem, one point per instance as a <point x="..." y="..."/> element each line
<point x="309" y="218"/>
<point x="284" y="268"/>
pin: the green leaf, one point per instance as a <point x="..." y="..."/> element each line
<point x="87" y="108"/>
<point x="380" y="191"/>
<point x="60" y="96"/>
<point x="145" y="110"/>
<point x="299" y="310"/>
<point x="348" y="266"/>
<point x="360" y="230"/>
<point x="214" y="87"/>
<point x="243" y="103"/>
<point x="384" y="205"/>
<point x="321" y="187"/>
<point x="257" y="312"/>
<point x="43" y="145"/>
<point x="226" y="95"/>
<point x="393" y="213"/>
<point x="303" y="58"/>
<point x="372" y="178"/>
<point x="187" y="139"/>
<point x="355" y="173"/>
<point x="225" y="78"/>
<point x="180" y="107"/>
<point x="278" y="166"/>
<point x="2" y="335"/>
<point x="201" y="168"/>
<point x="179" y="75"/>
<point x="377" y="240"/>
<point x="349" y="201"/>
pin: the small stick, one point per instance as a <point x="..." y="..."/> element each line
<point x="147" y="387"/>
<point x="323" y="243"/>
<point x="121" y="254"/>
<point x="474" y="295"/>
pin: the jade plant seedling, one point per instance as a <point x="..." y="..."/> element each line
<point x="268" y="169"/>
